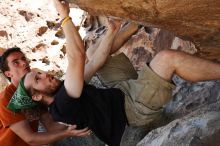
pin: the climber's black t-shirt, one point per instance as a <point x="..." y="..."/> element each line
<point x="102" y="110"/>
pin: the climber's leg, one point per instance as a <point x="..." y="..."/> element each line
<point x="191" y="68"/>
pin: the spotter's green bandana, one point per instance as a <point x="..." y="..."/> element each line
<point x="21" y="99"/>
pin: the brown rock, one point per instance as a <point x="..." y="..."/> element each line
<point x="42" y="30"/>
<point x="53" y="25"/>
<point x="54" y="42"/>
<point x="60" y="34"/>
<point x="39" y="47"/>
<point x="194" y="20"/>
<point x="50" y="24"/>
<point x="163" y="40"/>
<point x="46" y="60"/>
<point x="139" y="48"/>
<point x="63" y="49"/>
<point x="27" y="15"/>
<point x="3" y="33"/>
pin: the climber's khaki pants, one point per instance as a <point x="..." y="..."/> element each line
<point x="145" y="92"/>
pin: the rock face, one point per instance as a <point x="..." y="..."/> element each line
<point x="194" y="109"/>
<point x="200" y="128"/>
<point x="194" y="20"/>
<point x="188" y="131"/>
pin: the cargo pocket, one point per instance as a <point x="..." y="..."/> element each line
<point x="146" y="96"/>
<point x="154" y="96"/>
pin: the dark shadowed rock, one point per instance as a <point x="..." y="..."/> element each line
<point x="91" y="140"/>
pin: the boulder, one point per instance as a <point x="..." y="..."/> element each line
<point x="199" y="128"/>
<point x="193" y="20"/>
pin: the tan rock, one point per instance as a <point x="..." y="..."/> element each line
<point x="194" y="20"/>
